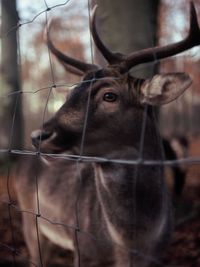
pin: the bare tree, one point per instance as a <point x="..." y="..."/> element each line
<point x="128" y="26"/>
<point x="11" y="110"/>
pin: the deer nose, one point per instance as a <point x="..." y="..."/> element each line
<point x="38" y="136"/>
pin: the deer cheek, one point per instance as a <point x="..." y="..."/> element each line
<point x="108" y="107"/>
<point x="72" y="120"/>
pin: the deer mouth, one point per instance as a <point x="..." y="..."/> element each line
<point x="50" y="147"/>
<point x="38" y="136"/>
<point x="43" y="141"/>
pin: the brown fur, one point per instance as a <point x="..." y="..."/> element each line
<point x="108" y="213"/>
<point x="123" y="210"/>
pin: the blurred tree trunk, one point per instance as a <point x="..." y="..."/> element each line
<point x="11" y="133"/>
<point x="127" y="26"/>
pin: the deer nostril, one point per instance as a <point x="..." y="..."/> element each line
<point x="40" y="135"/>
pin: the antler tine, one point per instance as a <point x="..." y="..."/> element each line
<point x="112" y="58"/>
<point x="73" y="65"/>
<point x="72" y="70"/>
<point x="150" y="54"/>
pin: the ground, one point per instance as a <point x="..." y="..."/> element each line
<point x="184" y="248"/>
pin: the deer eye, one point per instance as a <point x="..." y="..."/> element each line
<point x="110" y="97"/>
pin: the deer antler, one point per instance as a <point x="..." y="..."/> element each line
<point x="112" y="58"/>
<point x="72" y="65"/>
<point x="125" y="63"/>
<point x="150" y="54"/>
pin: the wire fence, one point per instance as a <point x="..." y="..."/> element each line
<point x="77" y="159"/>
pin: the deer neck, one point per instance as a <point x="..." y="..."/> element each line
<point x="125" y="200"/>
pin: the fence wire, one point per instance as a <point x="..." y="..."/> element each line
<point x="78" y="159"/>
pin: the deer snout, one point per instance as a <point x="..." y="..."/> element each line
<point x="39" y="135"/>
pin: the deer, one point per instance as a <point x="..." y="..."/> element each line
<point x="98" y="193"/>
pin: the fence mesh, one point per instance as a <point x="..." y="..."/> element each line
<point x="12" y="206"/>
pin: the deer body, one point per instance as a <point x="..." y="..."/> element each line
<point x="114" y="224"/>
<point x="110" y="212"/>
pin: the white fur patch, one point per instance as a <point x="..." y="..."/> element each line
<point x="160" y="227"/>
<point x="57" y="236"/>
<point x="115" y="235"/>
<point x="163" y="89"/>
<point x="36" y="133"/>
<point x="100" y="176"/>
<point x="154" y="88"/>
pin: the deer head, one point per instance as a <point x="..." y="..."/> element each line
<point x="112" y="100"/>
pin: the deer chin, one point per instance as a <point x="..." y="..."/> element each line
<point x="50" y="158"/>
<point x="52" y="154"/>
<point x="48" y="152"/>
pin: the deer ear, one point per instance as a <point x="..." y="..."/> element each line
<point x="162" y="89"/>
